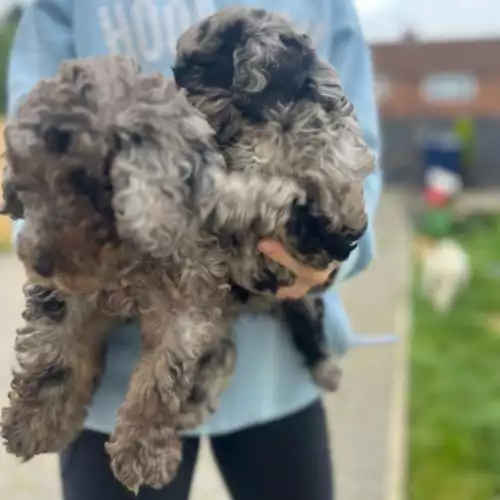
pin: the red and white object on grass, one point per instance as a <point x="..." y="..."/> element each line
<point x="441" y="186"/>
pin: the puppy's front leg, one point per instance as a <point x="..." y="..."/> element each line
<point x="59" y="353"/>
<point x="145" y="448"/>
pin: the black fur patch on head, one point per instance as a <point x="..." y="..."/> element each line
<point x="211" y="69"/>
<point x="291" y="72"/>
<point x="56" y="140"/>
<point x="311" y="234"/>
<point x="288" y="80"/>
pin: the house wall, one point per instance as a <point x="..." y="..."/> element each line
<point x="401" y="161"/>
<point x="406" y="100"/>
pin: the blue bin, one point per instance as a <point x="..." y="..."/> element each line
<point x="444" y="152"/>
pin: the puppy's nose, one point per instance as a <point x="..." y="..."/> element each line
<point x="44" y="266"/>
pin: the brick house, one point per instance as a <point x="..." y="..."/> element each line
<point x="424" y="86"/>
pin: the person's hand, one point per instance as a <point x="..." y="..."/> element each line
<point x="307" y="277"/>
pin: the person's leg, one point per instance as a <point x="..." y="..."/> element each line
<point x="86" y="473"/>
<point x="288" y="459"/>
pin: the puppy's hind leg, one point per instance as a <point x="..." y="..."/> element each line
<point x="304" y="319"/>
<point x="59" y="353"/>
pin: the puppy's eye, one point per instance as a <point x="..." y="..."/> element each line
<point x="57" y="141"/>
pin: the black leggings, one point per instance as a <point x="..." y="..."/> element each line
<point x="288" y="459"/>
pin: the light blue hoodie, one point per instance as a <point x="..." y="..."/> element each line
<point x="270" y="380"/>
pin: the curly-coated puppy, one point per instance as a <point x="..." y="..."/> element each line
<point x="116" y="174"/>
<point x="295" y="154"/>
<point x="88" y="152"/>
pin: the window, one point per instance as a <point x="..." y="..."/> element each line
<point x="383" y="88"/>
<point x="449" y="87"/>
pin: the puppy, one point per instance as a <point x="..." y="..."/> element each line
<point x="446" y="271"/>
<point x="87" y="151"/>
<point x="295" y="155"/>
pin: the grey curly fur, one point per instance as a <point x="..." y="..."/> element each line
<point x="83" y="144"/>
<point x="304" y="145"/>
<point x="131" y="211"/>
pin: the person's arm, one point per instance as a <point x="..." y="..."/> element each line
<point x="44" y="38"/>
<point x="351" y="57"/>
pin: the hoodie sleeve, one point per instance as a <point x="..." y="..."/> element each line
<point x="43" y="39"/>
<point x="350" y="56"/>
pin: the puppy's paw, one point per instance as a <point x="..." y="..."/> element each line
<point x="312" y="235"/>
<point x="327" y="374"/>
<point x="144" y="455"/>
<point x="41" y="417"/>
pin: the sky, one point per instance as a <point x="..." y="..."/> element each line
<point x="431" y="19"/>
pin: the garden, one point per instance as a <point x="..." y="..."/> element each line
<point x="455" y="379"/>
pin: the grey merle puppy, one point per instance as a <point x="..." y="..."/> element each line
<point x="99" y="156"/>
<point x="295" y="155"/>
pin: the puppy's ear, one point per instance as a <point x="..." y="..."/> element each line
<point x="206" y="58"/>
<point x="294" y="64"/>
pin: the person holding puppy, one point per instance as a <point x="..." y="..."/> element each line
<point x="269" y="436"/>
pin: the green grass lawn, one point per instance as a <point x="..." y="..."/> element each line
<point x="455" y="388"/>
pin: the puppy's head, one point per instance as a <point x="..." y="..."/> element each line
<point x="60" y="155"/>
<point x="162" y="173"/>
<point x="255" y="55"/>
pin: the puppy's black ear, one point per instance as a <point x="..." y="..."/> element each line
<point x="209" y="69"/>
<point x="294" y="68"/>
<point x="56" y="140"/>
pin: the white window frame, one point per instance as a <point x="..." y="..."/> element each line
<point x="449" y="87"/>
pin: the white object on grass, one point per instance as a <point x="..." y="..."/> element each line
<point x="445" y="272"/>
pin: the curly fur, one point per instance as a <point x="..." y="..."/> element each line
<point x="77" y="157"/>
<point x="295" y="152"/>
<point x="131" y="210"/>
<point x="295" y="155"/>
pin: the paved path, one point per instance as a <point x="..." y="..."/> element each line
<point x="365" y="416"/>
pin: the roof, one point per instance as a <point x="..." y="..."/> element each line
<point x="413" y="58"/>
